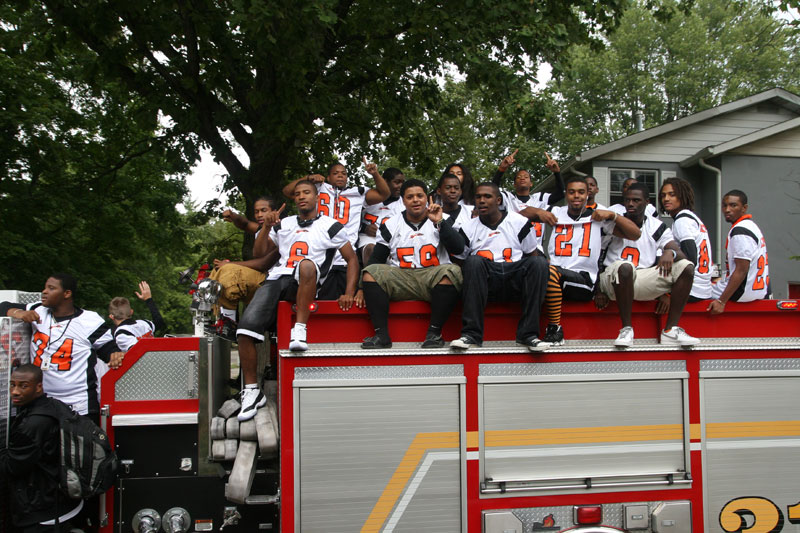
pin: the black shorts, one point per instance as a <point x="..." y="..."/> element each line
<point x="576" y="285"/>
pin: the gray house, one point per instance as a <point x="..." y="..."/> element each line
<point x="752" y="144"/>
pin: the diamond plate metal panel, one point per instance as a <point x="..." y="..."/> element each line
<point x="582" y="368"/>
<point x="160" y="376"/>
<point x="378" y="372"/>
<point x="613" y="515"/>
<point x="752" y="365"/>
<point x="29" y="297"/>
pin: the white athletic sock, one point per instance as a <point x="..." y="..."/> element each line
<point x="251" y="386"/>
<point x="300" y="325"/>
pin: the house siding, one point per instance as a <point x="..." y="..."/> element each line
<point x="772" y="185"/>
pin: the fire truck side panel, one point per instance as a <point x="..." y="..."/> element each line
<point x="623" y="423"/>
<point x="751" y="442"/>
<point x="379" y="448"/>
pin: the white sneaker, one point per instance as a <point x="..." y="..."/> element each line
<point x="625" y="338"/>
<point x="678" y="337"/>
<point x="298" y="342"/>
<point x="251" y="400"/>
<point x="463" y="343"/>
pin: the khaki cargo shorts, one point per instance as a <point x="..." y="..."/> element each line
<point x="239" y="284"/>
<point x="414" y="283"/>
<point x="648" y="284"/>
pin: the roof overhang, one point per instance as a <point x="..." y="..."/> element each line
<point x="717" y="149"/>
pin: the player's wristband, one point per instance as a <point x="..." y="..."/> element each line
<point x="674" y="254"/>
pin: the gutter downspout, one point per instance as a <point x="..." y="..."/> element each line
<point x="718" y="239"/>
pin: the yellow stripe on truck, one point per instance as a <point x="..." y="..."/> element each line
<point x="425" y="442"/>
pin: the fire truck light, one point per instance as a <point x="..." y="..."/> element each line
<point x="588" y="514"/>
<point x="787" y="304"/>
<point x="312" y="307"/>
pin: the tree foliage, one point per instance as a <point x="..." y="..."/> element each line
<point x="672" y="66"/>
<point x="296" y="83"/>
<point x="88" y="185"/>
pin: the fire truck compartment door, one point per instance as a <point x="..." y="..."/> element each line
<point x="379" y="448"/>
<point x="597" y="426"/>
<point x="751" y="440"/>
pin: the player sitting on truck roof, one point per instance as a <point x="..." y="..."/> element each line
<point x="521" y="196"/>
<point x="634" y="272"/>
<point x="503" y="262"/>
<point x="241" y="279"/>
<point x="417" y="243"/>
<point x="307" y="243"/>
<point x="677" y="200"/>
<point x="746" y="266"/>
<point x="65" y="342"/>
<point x="344" y="204"/>
<point x="372" y="216"/>
<point x="574" y="250"/>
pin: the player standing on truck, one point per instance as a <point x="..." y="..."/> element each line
<point x="417" y="243"/>
<point x="65" y="343"/>
<point x="633" y="271"/>
<point x="503" y="262"/>
<point x="307" y="243"/>
<point x="747" y="266"/>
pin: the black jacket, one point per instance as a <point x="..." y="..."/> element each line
<point x="30" y="465"/>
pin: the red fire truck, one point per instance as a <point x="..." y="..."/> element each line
<point x="583" y="437"/>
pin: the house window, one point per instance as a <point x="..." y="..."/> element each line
<point x="619" y="175"/>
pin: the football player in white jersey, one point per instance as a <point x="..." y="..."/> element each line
<point x="344" y="204"/>
<point x="503" y="262"/>
<point x="65" y="343"/>
<point x="747" y="264"/>
<point x="677" y="199"/>
<point x="307" y="243"/>
<point x="574" y="249"/>
<point x="448" y="190"/>
<point x="620" y="209"/>
<point x="634" y="271"/>
<point x="521" y="197"/>
<point x="372" y="216"/>
<point x="467" y="183"/>
<point x="417" y="243"/>
<point x="592" y="190"/>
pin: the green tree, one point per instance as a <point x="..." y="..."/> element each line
<point x="89" y="181"/>
<point x="296" y="83"/>
<point x="672" y="66"/>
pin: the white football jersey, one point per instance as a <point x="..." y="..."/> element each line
<point x="461" y="216"/>
<point x="745" y="241"/>
<point x="539" y="199"/>
<point x="66" y="352"/>
<point x="576" y="244"/>
<point x="318" y="239"/>
<point x="411" y="245"/>
<point x="643" y="253"/>
<point x="512" y="238"/>
<point x="344" y="206"/>
<point x="688" y="226"/>
<point x="130" y="331"/>
<point x="377" y="214"/>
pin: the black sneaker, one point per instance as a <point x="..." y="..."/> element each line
<point x="376" y="342"/>
<point x="554" y="336"/>
<point x="534" y="344"/>
<point x="433" y="340"/>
